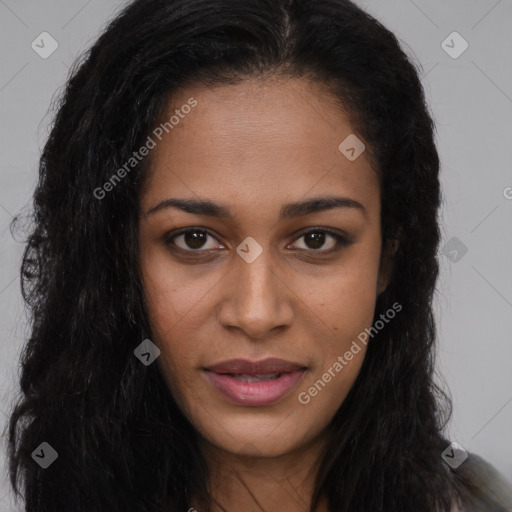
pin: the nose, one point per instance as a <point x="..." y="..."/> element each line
<point x="257" y="298"/>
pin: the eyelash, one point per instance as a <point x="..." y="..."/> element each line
<point x="341" y="241"/>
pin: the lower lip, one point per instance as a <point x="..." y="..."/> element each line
<point x="254" y="393"/>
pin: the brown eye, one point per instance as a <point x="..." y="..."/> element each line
<point x="195" y="239"/>
<point x="316" y="239"/>
<point x="191" y="240"/>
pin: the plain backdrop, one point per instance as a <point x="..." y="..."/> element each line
<point x="470" y="96"/>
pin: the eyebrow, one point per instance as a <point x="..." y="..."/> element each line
<point x="290" y="210"/>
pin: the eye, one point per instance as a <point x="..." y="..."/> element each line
<point x="316" y="238"/>
<point x="191" y="240"/>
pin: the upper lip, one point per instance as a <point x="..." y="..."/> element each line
<point x="247" y="367"/>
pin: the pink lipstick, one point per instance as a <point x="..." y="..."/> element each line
<point x="254" y="383"/>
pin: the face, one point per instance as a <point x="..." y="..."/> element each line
<point x="262" y="271"/>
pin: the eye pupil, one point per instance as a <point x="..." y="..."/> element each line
<point x="316" y="237"/>
<point x="195" y="239"/>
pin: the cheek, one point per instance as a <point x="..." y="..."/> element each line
<point x="176" y="295"/>
<point x="345" y="299"/>
<point x="345" y="303"/>
<point x="169" y="297"/>
<point x="347" y="308"/>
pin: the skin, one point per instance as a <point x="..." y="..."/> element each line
<point x="253" y="147"/>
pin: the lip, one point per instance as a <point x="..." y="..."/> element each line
<point x="254" y="393"/>
<point x="248" y="367"/>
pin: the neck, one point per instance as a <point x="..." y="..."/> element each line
<point x="252" y="482"/>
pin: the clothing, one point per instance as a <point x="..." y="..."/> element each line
<point x="494" y="492"/>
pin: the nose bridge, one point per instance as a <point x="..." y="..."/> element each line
<point x="258" y="280"/>
<point x="258" y="301"/>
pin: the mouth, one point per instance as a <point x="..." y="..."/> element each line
<point x="254" y="383"/>
<point x="253" y="378"/>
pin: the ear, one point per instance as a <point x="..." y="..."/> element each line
<point x="389" y="248"/>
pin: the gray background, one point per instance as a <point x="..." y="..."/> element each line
<point x="471" y="100"/>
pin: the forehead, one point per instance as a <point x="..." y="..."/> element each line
<point x="258" y="141"/>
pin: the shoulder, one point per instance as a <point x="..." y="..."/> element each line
<point x="486" y="490"/>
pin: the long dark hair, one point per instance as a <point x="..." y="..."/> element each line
<point x="122" y="442"/>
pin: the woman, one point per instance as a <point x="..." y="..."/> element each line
<point x="231" y="273"/>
